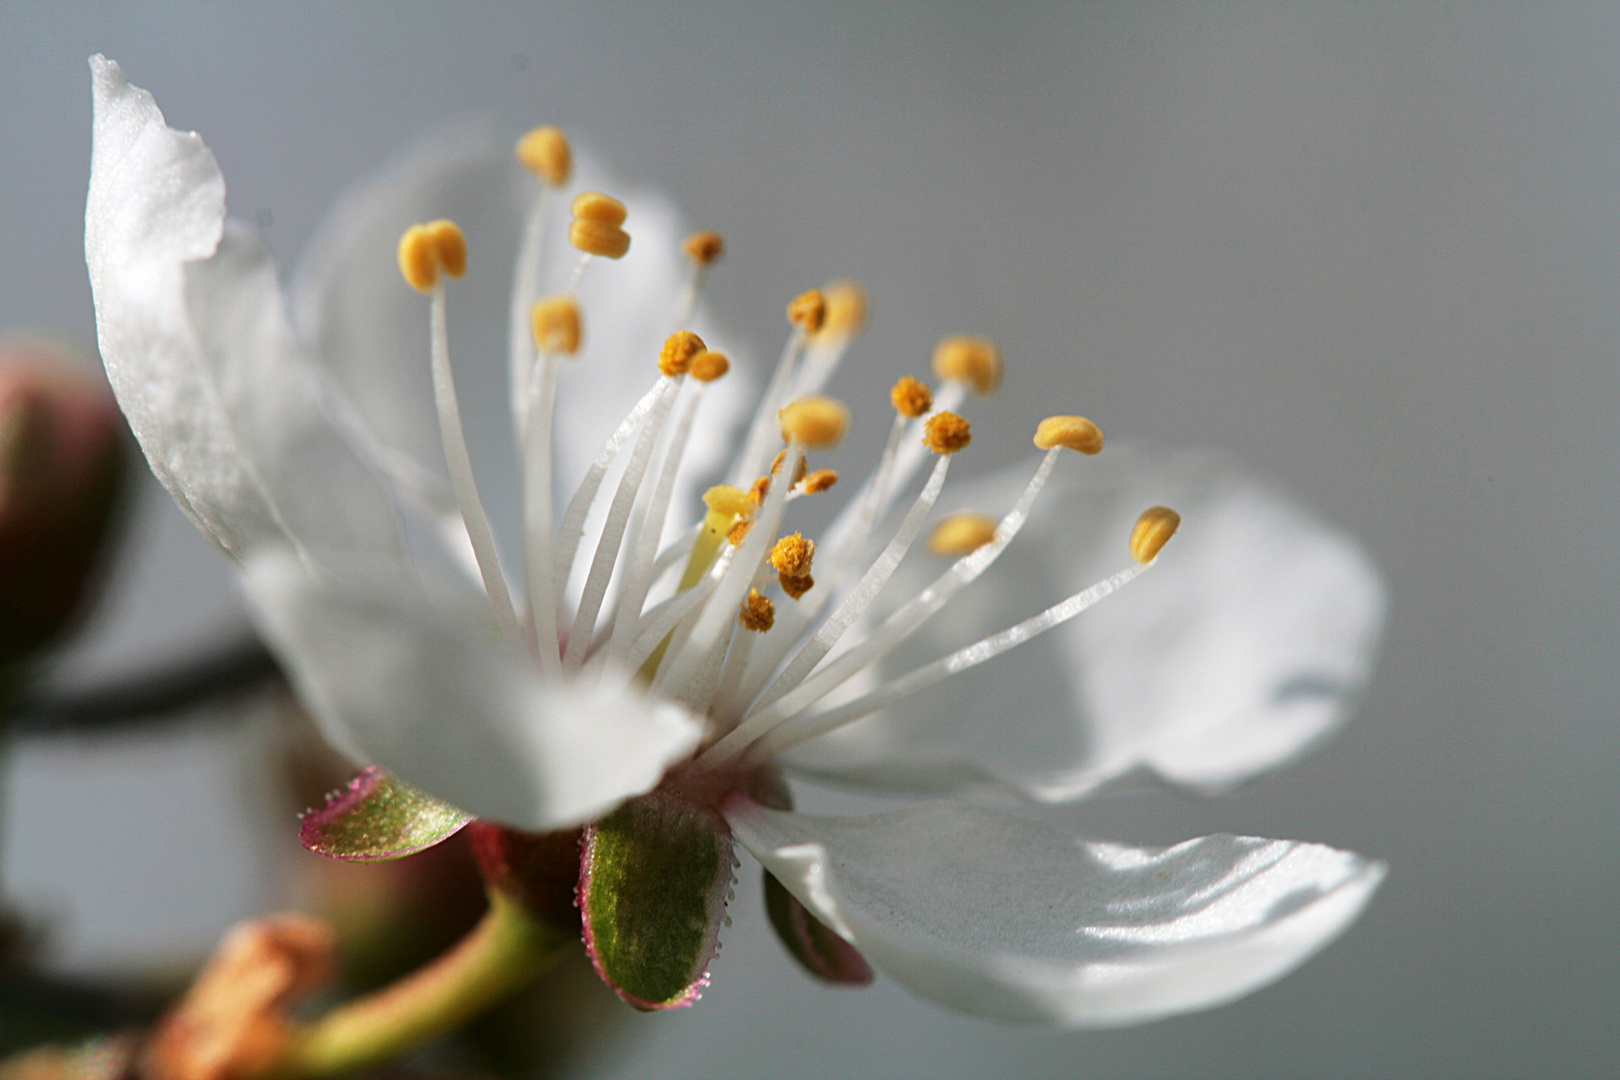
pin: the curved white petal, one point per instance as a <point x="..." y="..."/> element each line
<point x="370" y="331"/>
<point x="1005" y="917"/>
<point x="428" y="691"/>
<point x="191" y="327"/>
<point x="1248" y="641"/>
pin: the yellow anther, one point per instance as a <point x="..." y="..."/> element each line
<point x="419" y="258"/>
<point x="1074" y="432"/>
<point x="707" y="366"/>
<point x="555" y="323"/>
<point x="679" y="348"/>
<point x="739" y="533"/>
<point x="846" y="309"/>
<point x="1153" y="529"/>
<point x="792" y="555"/>
<point x="758" y="613"/>
<point x="598" y="238"/>
<point x="544" y="152"/>
<point x="820" y="481"/>
<point x="595" y="206"/>
<point x="816" y="422"/>
<point x="973" y="359"/>
<point x="798" y="473"/>
<point x="911" y="397"/>
<point x="704" y="248"/>
<point x="808" y="311"/>
<point x="961" y="533"/>
<point x="761" y="488"/>
<point x="449" y="245"/>
<point x="946" y="433"/>
<point x="725" y="499"/>
<point x="796" y="586"/>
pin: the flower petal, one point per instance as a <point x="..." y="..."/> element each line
<point x="191" y="326"/>
<point x="429" y="692"/>
<point x="370" y="331"/>
<point x="1249" y="641"/>
<point x="1005" y="917"/>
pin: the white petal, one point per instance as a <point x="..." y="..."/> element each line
<point x="370" y="331"/>
<point x="1004" y="917"/>
<point x="428" y="691"/>
<point x="1249" y="640"/>
<point x="192" y="330"/>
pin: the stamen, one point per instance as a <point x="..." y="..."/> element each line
<point x="708" y="366"/>
<point x="544" y="151"/>
<point x="758" y="613"/>
<point x="704" y="248"/>
<point x="1074" y="432"/>
<point x="819" y="481"/>
<point x="961" y="534"/>
<point x="808" y="311"/>
<point x="535" y="468"/>
<point x="947" y="433"/>
<point x="972" y="360"/>
<point x="814" y="422"/>
<point x="781" y="456"/>
<point x="449" y="246"/>
<point x="796" y="585"/>
<point x="911" y="397"/>
<point x="420" y="247"/>
<point x="555" y="323"/>
<point x="800" y="730"/>
<point x="846" y="310"/>
<point x="1152" y="531"/>
<point x="793" y="555"/>
<point x="760" y="433"/>
<point x="596" y="226"/>
<point x="679" y="349"/>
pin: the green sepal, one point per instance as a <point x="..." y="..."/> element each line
<point x="378" y="817"/>
<point x="654" y="880"/>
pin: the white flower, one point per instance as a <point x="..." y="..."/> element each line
<point x="312" y="447"/>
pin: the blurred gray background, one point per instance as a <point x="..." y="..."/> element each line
<point x="1371" y="249"/>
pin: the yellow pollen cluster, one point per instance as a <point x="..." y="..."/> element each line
<point x="820" y="481"/>
<point x="1152" y="531"/>
<point x="725" y="499"/>
<point x="758" y="613"/>
<point x="427" y="250"/>
<point x="1074" y="432"/>
<point x="704" y="248"/>
<point x="707" y="366"/>
<point x="846" y="310"/>
<point x="911" y="397"/>
<point x="544" y="152"/>
<point x="679" y="349"/>
<point x="554" y="321"/>
<point x="798" y="473"/>
<point x="808" y="311"/>
<point x="815" y="422"/>
<point x="962" y="533"/>
<point x="946" y="433"/>
<point x="793" y="555"/>
<point x="597" y="225"/>
<point x="739" y="532"/>
<point x="974" y="360"/>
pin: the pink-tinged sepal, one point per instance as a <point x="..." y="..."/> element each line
<point x="378" y="817"/>
<point x="538" y="870"/>
<point x="814" y="944"/>
<point x="653" y="885"/>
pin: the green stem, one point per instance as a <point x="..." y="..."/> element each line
<point x="503" y="952"/>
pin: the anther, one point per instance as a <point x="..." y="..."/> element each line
<point x="758" y="613"/>
<point x="679" y="349"/>
<point x="792" y="556"/>
<point x="1153" y="529"/>
<point x="544" y="152"/>
<point x="846" y="309"/>
<point x="796" y="586"/>
<point x="595" y="206"/>
<point x="962" y="533"/>
<point x="739" y="532"/>
<point x="707" y="366"/>
<point x="946" y="433"/>
<point x="973" y="359"/>
<point x="449" y="246"/>
<point x="911" y="397"/>
<point x="819" y="481"/>
<point x="419" y="258"/>
<point x="761" y="488"/>
<point x="556" y="326"/>
<point x="725" y="499"/>
<point x="816" y="422"/>
<point x="808" y="311"/>
<point x="798" y="473"/>
<point x="1074" y="432"/>
<point x="704" y="248"/>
